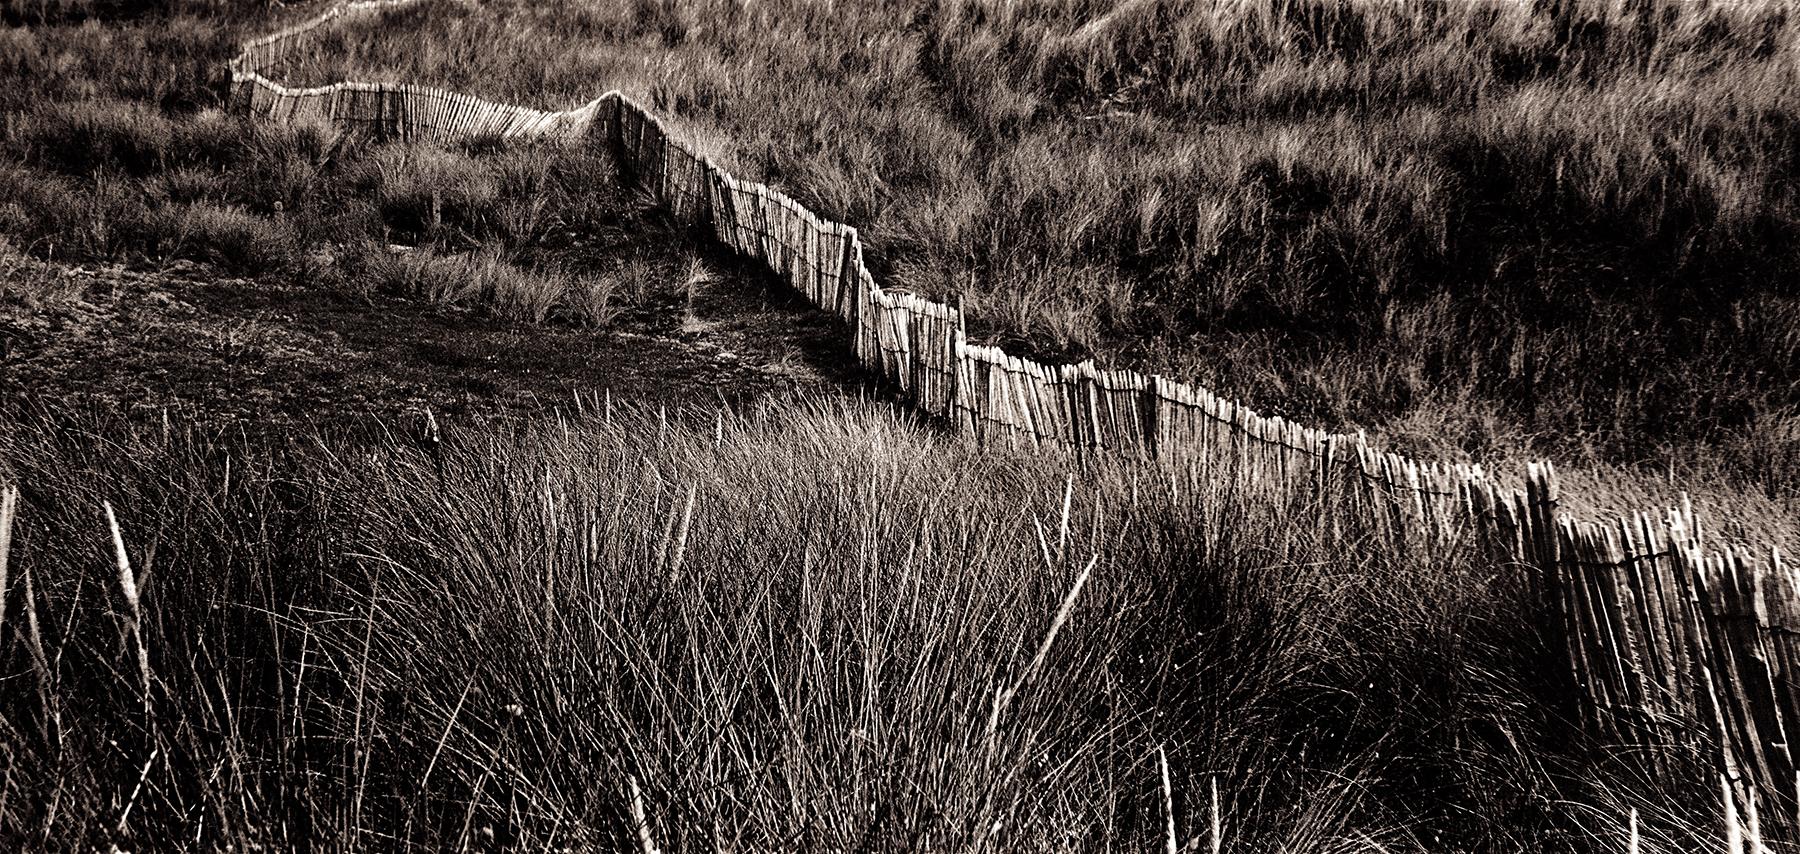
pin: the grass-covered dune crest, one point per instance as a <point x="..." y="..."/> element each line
<point x="1435" y="219"/>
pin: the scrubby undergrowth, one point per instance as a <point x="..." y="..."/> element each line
<point x="118" y="147"/>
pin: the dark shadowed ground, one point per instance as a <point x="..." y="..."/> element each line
<point x="220" y="349"/>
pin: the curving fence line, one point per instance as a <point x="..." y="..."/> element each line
<point x="1676" y="645"/>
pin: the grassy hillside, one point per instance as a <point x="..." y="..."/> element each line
<point x="1494" y="230"/>
<point x="808" y="625"/>
<point x="820" y="624"/>
<point x="1556" y="226"/>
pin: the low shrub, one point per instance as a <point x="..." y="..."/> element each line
<point x="489" y="280"/>
<point x="422" y="189"/>
<point x="235" y="239"/>
<point x="104" y="135"/>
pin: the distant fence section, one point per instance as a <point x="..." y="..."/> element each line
<point x="1677" y="646"/>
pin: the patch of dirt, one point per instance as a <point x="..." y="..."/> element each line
<point x="206" y="348"/>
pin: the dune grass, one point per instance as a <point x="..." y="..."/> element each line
<point x="119" y="149"/>
<point x="1485" y="231"/>
<point x="1490" y="229"/>
<point x="823" y="625"/>
<point x="812" y="625"/>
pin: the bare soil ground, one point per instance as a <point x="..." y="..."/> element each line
<point x="204" y="347"/>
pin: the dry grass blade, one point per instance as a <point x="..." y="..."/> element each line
<point x="646" y="842"/>
<point x="1062" y="617"/>
<point x="1062" y="532"/>
<point x="143" y="776"/>
<point x="1005" y="697"/>
<point x="1218" y="824"/>
<point x="40" y="661"/>
<point x="134" y="620"/>
<point x="449" y="724"/>
<point x="1734" y="830"/>
<point x="679" y="550"/>
<point x="1753" y="826"/>
<point x="9" y="503"/>
<point x="1162" y="761"/>
<point x="1043" y="544"/>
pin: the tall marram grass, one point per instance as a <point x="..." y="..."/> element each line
<point x="806" y="626"/>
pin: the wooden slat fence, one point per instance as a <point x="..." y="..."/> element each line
<point x="1676" y="645"/>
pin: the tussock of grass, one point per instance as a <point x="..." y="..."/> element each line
<point x="789" y="627"/>
<point x="83" y="137"/>
<point x="26" y="281"/>
<point x="487" y="278"/>
<point x="234" y="238"/>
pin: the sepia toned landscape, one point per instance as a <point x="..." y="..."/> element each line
<point x="1289" y="425"/>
